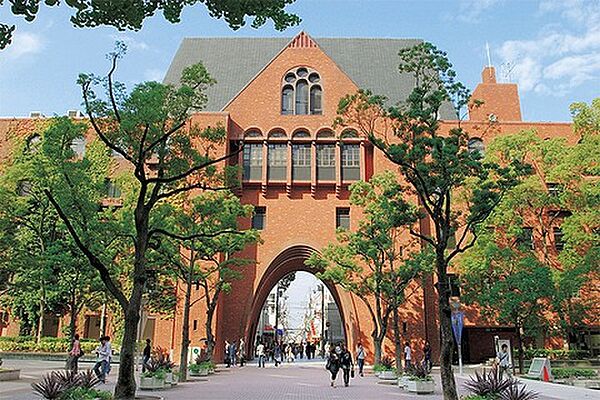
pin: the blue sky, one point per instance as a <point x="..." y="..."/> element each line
<point x="552" y="46"/>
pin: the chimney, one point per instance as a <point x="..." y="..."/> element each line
<point x="488" y="75"/>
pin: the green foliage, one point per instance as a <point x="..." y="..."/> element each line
<point x="131" y="14"/>
<point x="46" y="344"/>
<point x="564" y="373"/>
<point x="419" y="372"/>
<point x="488" y="384"/>
<point x="44" y="268"/>
<point x="558" y="354"/>
<point x="80" y="393"/>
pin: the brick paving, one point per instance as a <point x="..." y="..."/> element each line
<point x="299" y="381"/>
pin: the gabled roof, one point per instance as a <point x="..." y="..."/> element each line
<point x="234" y="62"/>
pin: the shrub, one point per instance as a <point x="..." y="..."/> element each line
<point x="163" y="359"/>
<point x="419" y="372"/>
<point x="88" y="379"/>
<point x="564" y="373"/>
<point x="487" y="384"/>
<point x="516" y="392"/>
<point x="50" y="387"/>
<point x="46" y="345"/>
<point x="81" y="393"/>
<point x="557" y="354"/>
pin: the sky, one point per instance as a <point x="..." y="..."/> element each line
<point x="551" y="48"/>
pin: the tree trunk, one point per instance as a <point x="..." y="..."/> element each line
<point x="397" y="341"/>
<point x="185" y="331"/>
<point x="520" y="349"/>
<point x="125" y="389"/>
<point x="40" y="327"/>
<point x="73" y="320"/>
<point x="377" y="342"/>
<point x="447" y="341"/>
<point x="210" y="339"/>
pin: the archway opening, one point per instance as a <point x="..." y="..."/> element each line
<point x="302" y="315"/>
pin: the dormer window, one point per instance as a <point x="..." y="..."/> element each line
<point x="301" y="93"/>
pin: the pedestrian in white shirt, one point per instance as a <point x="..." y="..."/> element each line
<point x="407" y="355"/>
<point x="104" y="352"/>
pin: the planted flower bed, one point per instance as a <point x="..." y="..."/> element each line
<point x="46" y="345"/>
<point x="65" y="385"/>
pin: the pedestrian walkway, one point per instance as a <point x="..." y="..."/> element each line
<point x="296" y="381"/>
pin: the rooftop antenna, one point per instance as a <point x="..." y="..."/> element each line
<point x="489" y="58"/>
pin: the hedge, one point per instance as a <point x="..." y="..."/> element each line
<point x="557" y="354"/>
<point x="46" y="345"/>
<point x="563" y="373"/>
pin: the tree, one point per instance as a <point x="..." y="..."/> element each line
<point x="436" y="165"/>
<point x="130" y="14"/>
<point x="561" y="196"/>
<point x="149" y="125"/>
<point x="45" y="272"/>
<point x="209" y="260"/>
<point x="369" y="262"/>
<point x="508" y="282"/>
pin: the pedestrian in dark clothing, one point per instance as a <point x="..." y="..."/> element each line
<point x="346" y="364"/>
<point x="74" y="355"/>
<point x="146" y="354"/>
<point x="333" y="363"/>
<point x="277" y="355"/>
<point x="427" y="356"/>
<point x="232" y="354"/>
<point x="227" y="354"/>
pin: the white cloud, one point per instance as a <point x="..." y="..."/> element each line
<point x="559" y="59"/>
<point x="473" y="10"/>
<point x="154" y="74"/>
<point x="23" y="44"/>
<point x="131" y="42"/>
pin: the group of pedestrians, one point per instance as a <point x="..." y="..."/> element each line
<point x="278" y="352"/>
<point x="103" y="353"/>
<point x="339" y="357"/>
<point x="235" y="354"/>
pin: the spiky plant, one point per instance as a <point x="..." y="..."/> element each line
<point x="163" y="359"/>
<point x="50" y="387"/>
<point x="418" y="371"/>
<point x="488" y="384"/>
<point x="517" y="392"/>
<point x="88" y="379"/>
<point x="67" y="378"/>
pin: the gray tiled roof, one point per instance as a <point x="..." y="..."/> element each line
<point x="233" y="62"/>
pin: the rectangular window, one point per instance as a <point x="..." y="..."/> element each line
<point x="454" y="284"/>
<point x="252" y="160"/>
<point x="259" y="218"/>
<point x="112" y="190"/>
<point x="350" y="162"/>
<point x="559" y="240"/>
<point x="554" y="189"/>
<point x="342" y="218"/>
<point x="195" y="324"/>
<point x="326" y="162"/>
<point x="301" y="162"/>
<point x="525" y="239"/>
<point x="277" y="162"/>
<point x="78" y="146"/>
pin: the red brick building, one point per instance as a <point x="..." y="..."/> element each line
<point x="279" y="96"/>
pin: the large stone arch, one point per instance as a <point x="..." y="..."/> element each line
<point x="289" y="260"/>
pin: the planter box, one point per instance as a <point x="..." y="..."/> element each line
<point x="200" y="372"/>
<point x="420" y="387"/>
<point x="587" y="383"/>
<point x="388" y="375"/>
<point x="10" y="374"/>
<point x="152" y="383"/>
<point x="171" y="379"/>
<point x="403" y="381"/>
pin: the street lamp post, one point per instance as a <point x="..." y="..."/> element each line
<point x="322" y="288"/>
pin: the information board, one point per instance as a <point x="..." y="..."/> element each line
<point x="540" y="368"/>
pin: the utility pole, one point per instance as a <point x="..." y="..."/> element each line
<point x="276" y="311"/>
<point x="322" y="287"/>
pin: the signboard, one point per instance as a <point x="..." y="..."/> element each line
<point x="458" y="319"/>
<point x="540" y="368"/>
<point x="192" y="354"/>
<point x="280" y="332"/>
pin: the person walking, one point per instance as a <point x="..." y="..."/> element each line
<point x="333" y="363"/>
<point x="277" y="355"/>
<point x="103" y="352"/>
<point x="427" y="356"/>
<point x="232" y="353"/>
<point x="503" y="361"/>
<point x="347" y="364"/>
<point x="260" y="353"/>
<point x="241" y="351"/>
<point x="146" y="354"/>
<point x="227" y="355"/>
<point x="360" y="358"/>
<point x="407" y="355"/>
<point x="74" y="355"/>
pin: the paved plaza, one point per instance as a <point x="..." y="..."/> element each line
<point x="301" y="381"/>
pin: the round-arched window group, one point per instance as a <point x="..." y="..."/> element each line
<point x="301" y="92"/>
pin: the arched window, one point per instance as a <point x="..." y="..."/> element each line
<point x="325" y="134"/>
<point x="476" y="145"/>
<point x="302" y="134"/>
<point x="287" y="100"/>
<point x="302" y="98"/>
<point x="315" y="100"/>
<point x="301" y="92"/>
<point x="277" y="134"/>
<point x="253" y="133"/>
